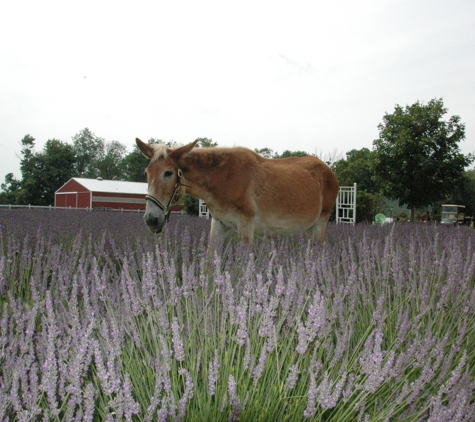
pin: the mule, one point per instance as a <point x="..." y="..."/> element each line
<point x="243" y="191"/>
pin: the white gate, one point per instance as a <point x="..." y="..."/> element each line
<point x="203" y="209"/>
<point x="346" y="205"/>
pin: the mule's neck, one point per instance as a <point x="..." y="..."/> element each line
<point x="203" y="170"/>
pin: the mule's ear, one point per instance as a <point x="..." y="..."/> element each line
<point x="146" y="150"/>
<point x="181" y="152"/>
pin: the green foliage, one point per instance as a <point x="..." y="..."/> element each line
<point x="270" y="153"/>
<point x="89" y="150"/>
<point x="206" y="142"/>
<point x="418" y="160"/>
<point x="465" y="195"/>
<point x="358" y="168"/>
<point x="132" y="166"/>
<point x="44" y="172"/>
<point x="109" y="166"/>
<point x="10" y="188"/>
<point x="288" y="153"/>
<point x="192" y="205"/>
<point x="265" y="152"/>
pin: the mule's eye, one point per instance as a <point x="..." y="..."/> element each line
<point x="167" y="174"/>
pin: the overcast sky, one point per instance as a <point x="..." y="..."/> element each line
<point x="316" y="76"/>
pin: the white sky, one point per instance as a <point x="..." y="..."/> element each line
<point x="300" y="75"/>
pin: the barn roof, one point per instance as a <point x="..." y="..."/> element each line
<point x="113" y="186"/>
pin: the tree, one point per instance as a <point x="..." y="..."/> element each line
<point x="466" y="193"/>
<point x="191" y="204"/>
<point x="109" y="166"/>
<point x="44" y="172"/>
<point x="269" y="153"/>
<point x="265" y="152"/>
<point x="418" y="161"/>
<point x="89" y="151"/>
<point x="358" y="168"/>
<point x="10" y="188"/>
<point x="206" y="142"/>
<point x="133" y="165"/>
<point x="288" y="153"/>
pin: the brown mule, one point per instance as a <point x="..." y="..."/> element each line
<point x="243" y="191"/>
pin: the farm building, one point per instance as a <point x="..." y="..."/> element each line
<point x="101" y="194"/>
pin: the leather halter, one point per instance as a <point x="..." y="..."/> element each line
<point x="173" y="198"/>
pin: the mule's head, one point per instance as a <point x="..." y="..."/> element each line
<point x="165" y="181"/>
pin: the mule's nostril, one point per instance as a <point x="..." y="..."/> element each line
<point x="151" y="220"/>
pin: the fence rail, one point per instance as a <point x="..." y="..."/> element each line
<point x="53" y="208"/>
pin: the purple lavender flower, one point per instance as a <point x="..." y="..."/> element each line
<point x="234" y="401"/>
<point x="213" y="374"/>
<point x="187" y="395"/>
<point x="372" y="362"/>
<point x="89" y="405"/>
<point x="267" y="320"/>
<point x="242" y="321"/>
<point x="311" y="408"/>
<point x="259" y="368"/>
<point x="292" y="377"/>
<point x="49" y="377"/>
<point x="178" y="350"/>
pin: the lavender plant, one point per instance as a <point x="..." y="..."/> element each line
<point x="102" y="321"/>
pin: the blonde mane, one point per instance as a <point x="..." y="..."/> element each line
<point x="161" y="150"/>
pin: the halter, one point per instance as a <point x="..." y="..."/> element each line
<point x="173" y="198"/>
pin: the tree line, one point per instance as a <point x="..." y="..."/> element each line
<point x="88" y="156"/>
<point x="416" y="161"/>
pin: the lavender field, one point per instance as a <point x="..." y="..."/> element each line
<point x="102" y="321"/>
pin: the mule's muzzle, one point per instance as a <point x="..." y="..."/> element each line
<point x="154" y="221"/>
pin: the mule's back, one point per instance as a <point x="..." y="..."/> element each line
<point x="256" y="195"/>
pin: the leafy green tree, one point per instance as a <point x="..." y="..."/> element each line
<point x="27" y="168"/>
<point x="418" y="160"/>
<point x="191" y="204"/>
<point x="89" y="151"/>
<point x="109" y="166"/>
<point x="288" y="153"/>
<point x="468" y="192"/>
<point x="206" y="142"/>
<point x="11" y="189"/>
<point x="133" y="165"/>
<point x="44" y="172"/>
<point x="465" y="195"/>
<point x="265" y="152"/>
<point x="269" y="153"/>
<point x="358" y="168"/>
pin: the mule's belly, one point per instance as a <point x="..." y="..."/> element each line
<point x="270" y="227"/>
<point x="281" y="225"/>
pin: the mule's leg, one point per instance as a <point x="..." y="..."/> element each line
<point x="218" y="231"/>
<point x="246" y="231"/>
<point x="217" y="234"/>
<point x="317" y="231"/>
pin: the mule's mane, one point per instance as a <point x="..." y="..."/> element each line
<point x="161" y="150"/>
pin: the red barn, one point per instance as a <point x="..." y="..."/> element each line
<point x="101" y="194"/>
